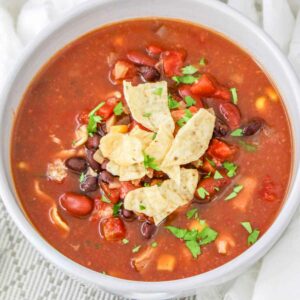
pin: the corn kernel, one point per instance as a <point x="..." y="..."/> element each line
<point x="166" y="262"/>
<point x="271" y="94"/>
<point x="118" y="129"/>
<point x="260" y="103"/>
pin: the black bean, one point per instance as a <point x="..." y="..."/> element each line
<point x="252" y="127"/>
<point x="76" y="164"/>
<point x="90" y="184"/>
<point x="148" y="230"/>
<point x="149" y="73"/>
<point x="93" y="142"/>
<point x="105" y="177"/>
<point x="92" y="163"/>
<point x="127" y="215"/>
<point x="101" y="129"/>
<point x="221" y="129"/>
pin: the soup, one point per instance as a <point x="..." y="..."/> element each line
<point x="152" y="150"/>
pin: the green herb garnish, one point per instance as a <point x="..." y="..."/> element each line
<point x="147" y="115"/>
<point x="187" y="115"/>
<point x="189" y="70"/>
<point x="154" y="244"/>
<point x="154" y="135"/>
<point x="116" y="208"/>
<point x="186" y="79"/>
<point x="105" y="200"/>
<point x="202" y="62"/>
<point x="211" y="162"/>
<point x="194" y="247"/>
<point x="158" y="91"/>
<point x="235" y="192"/>
<point x="253" y="234"/>
<point x="189" y="101"/>
<point x="94" y="119"/>
<point x="125" y="241"/>
<point x="207" y="235"/>
<point x="202" y="192"/>
<point x="172" y="103"/>
<point x="149" y="162"/>
<point x="192" y="213"/>
<point x="142" y="207"/>
<point x="247" y="226"/>
<point x="82" y="177"/>
<point x="118" y="109"/>
<point x="231" y="168"/>
<point x="218" y="175"/>
<point x="136" y="249"/>
<point x="234" y="95"/>
<point x="237" y="132"/>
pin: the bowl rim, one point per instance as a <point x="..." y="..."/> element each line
<point x="243" y="261"/>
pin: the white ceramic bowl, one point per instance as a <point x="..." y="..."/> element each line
<point x="92" y="15"/>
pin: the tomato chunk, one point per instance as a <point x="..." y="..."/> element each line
<point x="172" y="62"/>
<point x="185" y="90"/>
<point x="153" y="50"/>
<point x="108" y="108"/>
<point x="126" y="187"/>
<point x="178" y="114"/>
<point x="112" y="194"/>
<point x="102" y="210"/>
<point x="220" y="150"/>
<point x="204" y="86"/>
<point x="83" y="117"/>
<point x="230" y="114"/>
<point x="113" y="229"/>
<point x="222" y="93"/>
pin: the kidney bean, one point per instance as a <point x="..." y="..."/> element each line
<point x="230" y="114"/>
<point x="252" y="127"/>
<point x="90" y="184"/>
<point x="220" y="129"/>
<point x="140" y="58"/>
<point x="101" y="129"/>
<point x="149" y="73"/>
<point x="76" y="164"/>
<point x="75" y="204"/>
<point x="128" y="215"/>
<point x="106" y="177"/>
<point x="92" y="163"/>
<point x="104" y="164"/>
<point x="93" y="142"/>
<point x="124" y="121"/>
<point x="148" y="230"/>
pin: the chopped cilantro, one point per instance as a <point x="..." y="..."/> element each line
<point x="146" y="184"/>
<point x="237" y="132"/>
<point x="194" y="247"/>
<point x="187" y="115"/>
<point x="189" y="70"/>
<point x="192" y="213"/>
<point x="252" y="238"/>
<point x="186" y="79"/>
<point x="234" y="95"/>
<point x="125" y="241"/>
<point x="178" y="232"/>
<point x="154" y="135"/>
<point x="147" y="115"/>
<point x="189" y="101"/>
<point x="216" y="188"/>
<point x="136" y="249"/>
<point x="207" y="235"/>
<point x="94" y="119"/>
<point x="118" y="109"/>
<point x="116" y="208"/>
<point x="142" y="207"/>
<point x="207" y="175"/>
<point x="172" y="103"/>
<point x="218" y="175"/>
<point x="158" y="91"/>
<point x="202" y="192"/>
<point x="92" y="112"/>
<point x="149" y="162"/>
<point x="202" y="62"/>
<point x="211" y="162"/>
<point x="104" y="199"/>
<point x="248" y="147"/>
<point x="247" y="226"/>
<point x="235" y="192"/>
<point x="154" y="244"/>
<point x="82" y="177"/>
<point x="231" y="168"/>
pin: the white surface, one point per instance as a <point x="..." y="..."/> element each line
<point x="37" y="14"/>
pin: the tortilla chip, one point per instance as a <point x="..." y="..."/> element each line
<point x="192" y="139"/>
<point x="122" y="149"/>
<point x="159" y="147"/>
<point x="113" y="168"/>
<point x="145" y="137"/>
<point x="148" y="201"/>
<point x="148" y="104"/>
<point x="173" y="173"/>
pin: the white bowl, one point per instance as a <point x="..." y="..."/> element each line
<point x="92" y="15"/>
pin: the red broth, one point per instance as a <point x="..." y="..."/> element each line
<point x="77" y="78"/>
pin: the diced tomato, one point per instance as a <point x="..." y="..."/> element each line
<point x="135" y="123"/>
<point x="222" y="93"/>
<point x="83" y="117"/>
<point x="204" y="86"/>
<point x="153" y="50"/>
<point x="211" y="186"/>
<point x="185" y="90"/>
<point x="126" y="187"/>
<point x="112" y="194"/>
<point x="113" y="229"/>
<point x="207" y="167"/>
<point x="178" y="114"/>
<point x="102" y="210"/>
<point x="220" y="150"/>
<point x="268" y="192"/>
<point x="140" y="58"/>
<point x="108" y="108"/>
<point x="230" y="114"/>
<point x="172" y="62"/>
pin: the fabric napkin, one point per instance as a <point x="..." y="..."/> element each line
<point x="276" y="276"/>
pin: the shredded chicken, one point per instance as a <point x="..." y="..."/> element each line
<point x="57" y="170"/>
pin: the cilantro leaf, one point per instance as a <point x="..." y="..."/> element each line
<point x="187" y="115"/>
<point x="202" y="62"/>
<point x="154" y="135"/>
<point x="194" y="247"/>
<point x="202" y="192"/>
<point x="82" y="177"/>
<point x="149" y="162"/>
<point x="189" y="101"/>
<point x="189" y="70"/>
<point x="218" y="175"/>
<point x="231" y="168"/>
<point x="186" y="79"/>
<point x="136" y="249"/>
<point x="142" y="207"/>
<point x="253" y="236"/>
<point x="192" y="213"/>
<point x="125" y="241"/>
<point x="178" y="232"/>
<point x="191" y="235"/>
<point x="118" y="109"/>
<point x="237" y="132"/>
<point x="105" y="200"/>
<point x="154" y="244"/>
<point x="248" y="147"/>
<point x="116" y="208"/>
<point x="235" y="192"/>
<point x="211" y="162"/>
<point x="172" y="103"/>
<point x="207" y="235"/>
<point x="247" y="226"/>
<point x="147" y="115"/>
<point x="158" y="91"/>
<point x="94" y="119"/>
<point x="234" y="95"/>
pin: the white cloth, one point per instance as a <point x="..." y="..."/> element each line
<point x="276" y="276"/>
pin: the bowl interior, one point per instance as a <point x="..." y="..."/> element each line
<point x="92" y="15"/>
